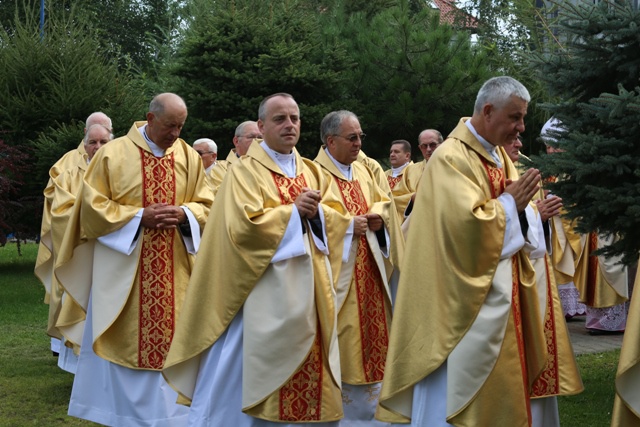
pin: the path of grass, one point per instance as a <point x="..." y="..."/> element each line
<point x="35" y="392"/>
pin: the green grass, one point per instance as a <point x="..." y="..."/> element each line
<point x="592" y="407"/>
<point x="35" y="392"/>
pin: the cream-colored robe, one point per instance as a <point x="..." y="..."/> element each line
<point x="217" y="173"/>
<point x="352" y="345"/>
<point x="235" y="272"/>
<point x="561" y="376"/>
<point x="626" y="407"/>
<point x="112" y="194"/>
<point x="44" y="261"/>
<point x="455" y="296"/>
<point x="66" y="187"/>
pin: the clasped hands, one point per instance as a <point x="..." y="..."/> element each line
<point x="523" y="189"/>
<point x="307" y="202"/>
<point x="370" y="221"/>
<point x="163" y="216"/>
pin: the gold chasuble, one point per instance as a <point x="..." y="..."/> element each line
<point x="601" y="281"/>
<point x="136" y="299"/>
<point x="290" y="361"/>
<point x="399" y="191"/>
<point x="560" y="376"/>
<point x="44" y="261"/>
<point x="626" y="407"/>
<point x="217" y="173"/>
<point x="364" y="296"/>
<point x="66" y="187"/>
<point x="376" y="170"/>
<point x="459" y="305"/>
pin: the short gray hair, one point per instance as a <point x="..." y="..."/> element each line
<point x="86" y="135"/>
<point x="331" y="123"/>
<point x="213" y="147"/>
<point x="497" y="91"/>
<point x="241" y="126"/>
<point x="98" y="118"/>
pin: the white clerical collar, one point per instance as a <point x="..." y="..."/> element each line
<point x="491" y="149"/>
<point x="345" y="169"/>
<point x="397" y="171"/>
<point x="155" y="149"/>
<point x="287" y="162"/>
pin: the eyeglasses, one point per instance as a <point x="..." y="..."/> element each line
<point x="202" y="153"/>
<point x="251" y="136"/>
<point x="354" y="137"/>
<point x="432" y="145"/>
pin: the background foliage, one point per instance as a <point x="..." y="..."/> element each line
<point x="394" y="63"/>
<point x="593" y="80"/>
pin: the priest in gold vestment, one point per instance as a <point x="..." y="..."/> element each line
<point x="589" y="284"/>
<point x="400" y="159"/>
<point x="626" y="406"/>
<point x="45" y="260"/>
<point x="245" y="134"/>
<point x="67" y="185"/>
<point x="373" y="246"/>
<point x="126" y="259"/>
<point x="467" y="341"/>
<point x="258" y="343"/>
<point x="560" y="376"/>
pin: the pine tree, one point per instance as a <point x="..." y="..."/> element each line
<point x="412" y="73"/>
<point x="243" y="51"/>
<point x="594" y="78"/>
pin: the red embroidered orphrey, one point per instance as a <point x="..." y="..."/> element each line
<point x="374" y="332"/>
<point x="301" y="397"/>
<point x="497" y="185"/>
<point x="393" y="181"/>
<point x="548" y="383"/>
<point x="157" y="303"/>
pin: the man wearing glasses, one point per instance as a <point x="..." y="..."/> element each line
<point x="371" y="250"/>
<point x="208" y="151"/>
<point x="245" y="133"/>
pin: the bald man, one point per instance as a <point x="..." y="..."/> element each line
<point x="142" y="208"/>
<point x="245" y="134"/>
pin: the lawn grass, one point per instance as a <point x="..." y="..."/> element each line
<point x="35" y="392"/>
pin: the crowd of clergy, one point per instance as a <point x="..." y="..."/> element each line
<point x="269" y="289"/>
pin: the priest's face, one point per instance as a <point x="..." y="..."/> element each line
<point x="504" y="123"/>
<point x="428" y="141"/>
<point x="97" y="136"/>
<point x="164" y="128"/>
<point x="397" y="155"/>
<point x="242" y="142"/>
<point x="346" y="145"/>
<point x="513" y="149"/>
<point x="281" y="125"/>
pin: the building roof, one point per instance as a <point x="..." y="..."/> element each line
<point x="450" y="14"/>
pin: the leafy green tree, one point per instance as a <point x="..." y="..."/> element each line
<point x="50" y="85"/>
<point x="412" y="73"/>
<point x="593" y="79"/>
<point x="242" y="51"/>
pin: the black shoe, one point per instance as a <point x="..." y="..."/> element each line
<point x="601" y="332"/>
